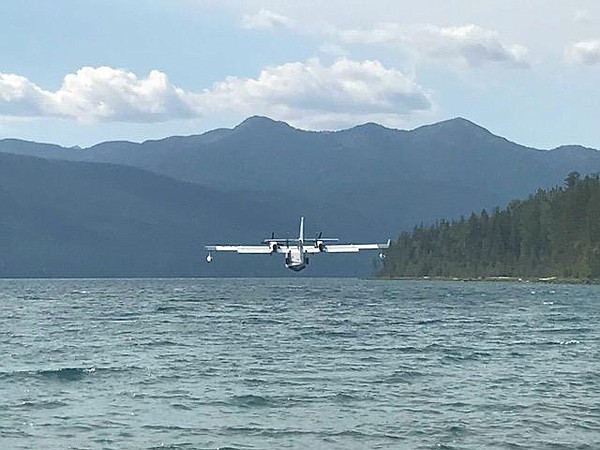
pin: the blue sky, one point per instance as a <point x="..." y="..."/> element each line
<point x="79" y="72"/>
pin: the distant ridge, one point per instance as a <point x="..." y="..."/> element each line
<point x="73" y="219"/>
<point x="366" y="182"/>
<point x="262" y="123"/>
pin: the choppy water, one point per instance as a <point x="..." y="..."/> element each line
<point x="298" y="363"/>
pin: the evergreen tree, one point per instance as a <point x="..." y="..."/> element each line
<point x="554" y="232"/>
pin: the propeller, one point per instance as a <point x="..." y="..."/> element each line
<point x="274" y="245"/>
<point x="317" y="244"/>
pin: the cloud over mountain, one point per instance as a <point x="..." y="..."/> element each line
<point x="97" y="93"/>
<point x="345" y="88"/>
<point x="266" y="20"/>
<point x="584" y="52"/>
<point x="469" y="45"/>
<point x="345" y="91"/>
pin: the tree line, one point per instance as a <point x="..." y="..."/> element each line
<point x="554" y="233"/>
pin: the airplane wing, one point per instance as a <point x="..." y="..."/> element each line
<point x="249" y="249"/>
<point x="347" y="248"/>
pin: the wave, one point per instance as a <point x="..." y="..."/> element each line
<point x="401" y="377"/>
<point x="289" y="432"/>
<point x="181" y="445"/>
<point x="164" y="343"/>
<point x="62" y="374"/>
<point x="166" y="309"/>
<point x="66" y="373"/>
<point x="249" y="400"/>
<point x="342" y="397"/>
<point x="50" y="404"/>
<point x="429" y="321"/>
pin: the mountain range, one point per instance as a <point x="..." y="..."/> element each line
<point x="129" y="209"/>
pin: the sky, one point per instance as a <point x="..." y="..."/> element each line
<point x="78" y="72"/>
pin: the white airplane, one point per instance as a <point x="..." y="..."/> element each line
<point x="296" y="250"/>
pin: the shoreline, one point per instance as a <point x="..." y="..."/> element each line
<point x="548" y="280"/>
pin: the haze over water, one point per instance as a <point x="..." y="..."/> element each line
<point x="298" y="363"/>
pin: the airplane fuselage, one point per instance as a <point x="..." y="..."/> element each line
<point x="296" y="259"/>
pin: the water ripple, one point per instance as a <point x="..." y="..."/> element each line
<point x="298" y="363"/>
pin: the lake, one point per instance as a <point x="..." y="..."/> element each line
<point x="298" y="363"/>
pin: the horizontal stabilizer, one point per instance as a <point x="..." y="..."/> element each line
<point x="295" y="240"/>
<point x="280" y="241"/>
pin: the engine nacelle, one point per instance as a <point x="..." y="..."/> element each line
<point x="320" y="245"/>
<point x="274" y="247"/>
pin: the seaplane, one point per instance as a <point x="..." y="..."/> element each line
<point x="296" y="251"/>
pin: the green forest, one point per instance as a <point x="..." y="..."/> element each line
<point x="554" y="233"/>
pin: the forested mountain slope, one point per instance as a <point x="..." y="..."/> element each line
<point x="65" y="219"/>
<point x="554" y="233"/>
<point x="362" y="183"/>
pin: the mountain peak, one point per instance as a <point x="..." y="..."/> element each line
<point x="573" y="148"/>
<point x="370" y="126"/>
<point x="458" y="122"/>
<point x="262" y="123"/>
<point x="457" y="125"/>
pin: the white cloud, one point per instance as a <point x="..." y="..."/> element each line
<point x="101" y="93"/>
<point x="20" y="97"/>
<point x="382" y="33"/>
<point x="346" y="91"/>
<point x="584" y="52"/>
<point x="469" y="45"/>
<point x="266" y="20"/>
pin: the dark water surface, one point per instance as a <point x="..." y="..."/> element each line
<point x="298" y="363"/>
